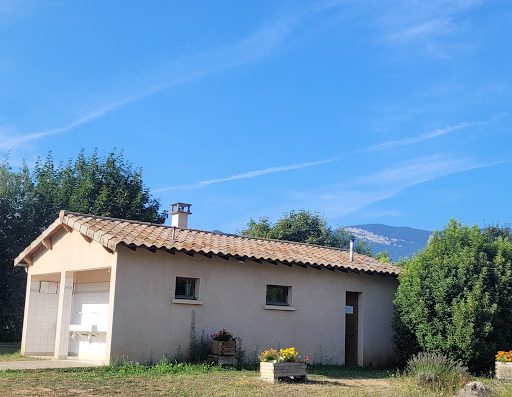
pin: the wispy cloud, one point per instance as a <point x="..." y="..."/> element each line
<point x="438" y="132"/>
<point x="362" y="191"/>
<point x="256" y="45"/>
<point x="431" y="27"/>
<point x="425" y="25"/>
<point x="246" y="175"/>
<point x="387" y="145"/>
<point x="13" y="141"/>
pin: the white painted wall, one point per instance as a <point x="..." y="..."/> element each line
<point x="148" y="325"/>
<point x="88" y="261"/>
<point x="42" y="318"/>
<point x="90" y="311"/>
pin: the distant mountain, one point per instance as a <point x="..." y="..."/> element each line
<point x="399" y="242"/>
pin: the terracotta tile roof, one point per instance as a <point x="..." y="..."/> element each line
<point x="111" y="233"/>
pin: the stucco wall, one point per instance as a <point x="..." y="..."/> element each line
<point x="147" y="325"/>
<point x="71" y="252"/>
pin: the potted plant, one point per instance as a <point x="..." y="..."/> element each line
<point x="285" y="363"/>
<point x="223" y="344"/>
<point x="504" y="365"/>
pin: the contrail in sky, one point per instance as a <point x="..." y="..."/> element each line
<point x="387" y="145"/>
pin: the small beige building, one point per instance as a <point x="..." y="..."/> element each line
<point x="104" y="289"/>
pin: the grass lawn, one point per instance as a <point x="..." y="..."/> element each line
<point x="203" y="380"/>
<point x="11" y="352"/>
<point x="189" y="380"/>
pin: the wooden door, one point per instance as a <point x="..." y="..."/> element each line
<point x="351" y="327"/>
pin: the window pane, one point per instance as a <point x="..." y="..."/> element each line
<point x="277" y="295"/>
<point x="185" y="288"/>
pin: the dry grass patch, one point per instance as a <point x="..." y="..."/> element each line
<point x="219" y="383"/>
<point x="203" y="380"/>
<point x="11" y="352"/>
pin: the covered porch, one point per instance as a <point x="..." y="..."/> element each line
<point x="67" y="315"/>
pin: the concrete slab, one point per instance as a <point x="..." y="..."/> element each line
<point x="46" y="364"/>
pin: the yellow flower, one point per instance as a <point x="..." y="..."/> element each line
<point x="289" y="354"/>
<point x="504" y="357"/>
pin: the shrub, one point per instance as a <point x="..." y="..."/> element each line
<point x="455" y="298"/>
<point x="437" y="371"/>
<point x="200" y="349"/>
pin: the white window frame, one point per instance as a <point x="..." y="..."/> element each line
<point x="283" y="307"/>
<point x="184" y="300"/>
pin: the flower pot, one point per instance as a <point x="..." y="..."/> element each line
<point x="503" y="370"/>
<point x="270" y="371"/>
<point x="221" y="348"/>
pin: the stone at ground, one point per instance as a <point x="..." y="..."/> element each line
<point x="474" y="389"/>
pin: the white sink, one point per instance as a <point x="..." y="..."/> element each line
<point x="82" y="328"/>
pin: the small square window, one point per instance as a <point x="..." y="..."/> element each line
<point x="277" y="295"/>
<point x="185" y="288"/>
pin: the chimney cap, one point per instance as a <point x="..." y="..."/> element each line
<point x="180" y="208"/>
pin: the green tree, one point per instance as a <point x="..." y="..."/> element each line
<point x="304" y="227"/>
<point x="17" y="214"/>
<point x="455" y="297"/>
<point x="30" y="201"/>
<point x="383" y="256"/>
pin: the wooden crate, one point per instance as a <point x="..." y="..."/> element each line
<point x="272" y="371"/>
<point x="503" y="371"/>
<point x="224" y="348"/>
<point x="229" y="361"/>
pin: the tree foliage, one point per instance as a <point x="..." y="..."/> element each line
<point x="304" y="227"/>
<point x="383" y="256"/>
<point x="30" y="201"/>
<point x="455" y="296"/>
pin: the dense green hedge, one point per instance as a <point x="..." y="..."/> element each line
<point x="455" y="297"/>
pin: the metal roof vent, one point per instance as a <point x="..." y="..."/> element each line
<point x="351" y="249"/>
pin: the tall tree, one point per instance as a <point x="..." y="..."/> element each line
<point x="17" y="225"/>
<point x="304" y="227"/>
<point x="30" y="201"/>
<point x="455" y="296"/>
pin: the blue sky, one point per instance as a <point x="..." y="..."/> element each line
<point x="395" y="112"/>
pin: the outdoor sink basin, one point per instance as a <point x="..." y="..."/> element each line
<point x="82" y="328"/>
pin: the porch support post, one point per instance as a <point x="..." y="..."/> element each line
<point x="111" y="301"/>
<point x="63" y="315"/>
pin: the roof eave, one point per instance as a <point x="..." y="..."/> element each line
<point x="376" y="272"/>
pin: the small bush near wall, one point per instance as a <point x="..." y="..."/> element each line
<point x="437" y="371"/>
<point x="200" y="349"/>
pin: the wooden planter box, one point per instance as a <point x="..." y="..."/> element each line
<point x="224" y="348"/>
<point x="272" y="371"/>
<point x="503" y="371"/>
